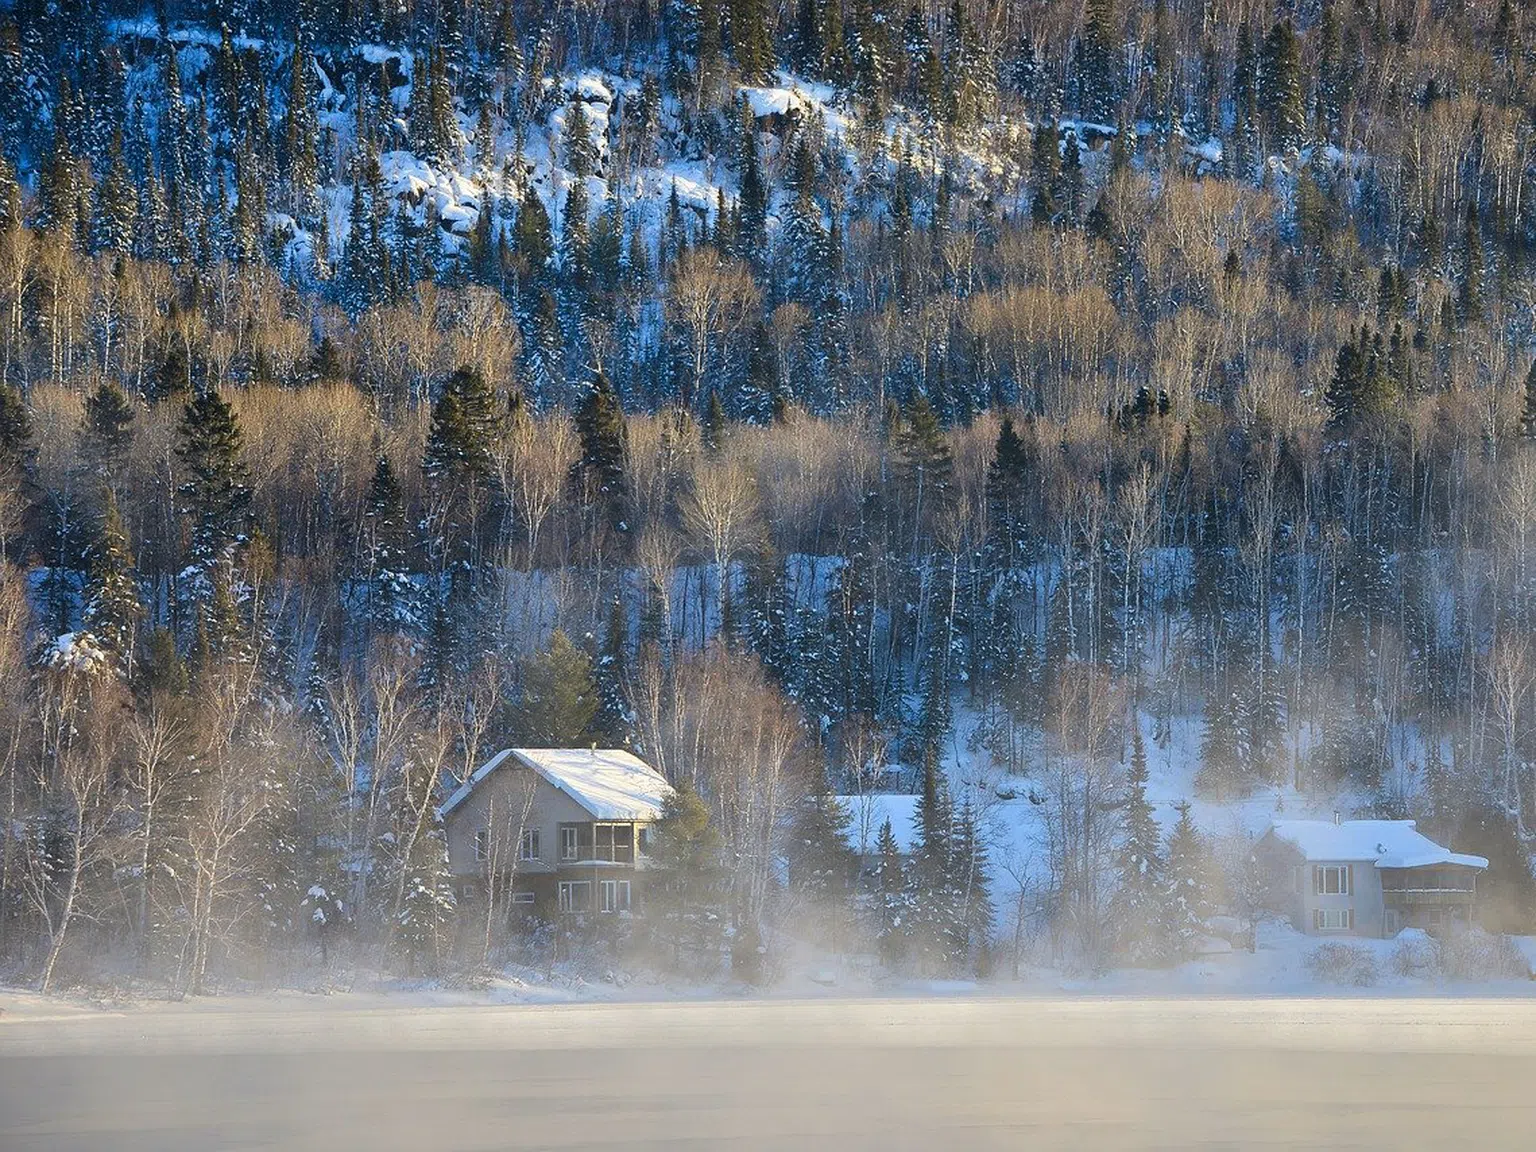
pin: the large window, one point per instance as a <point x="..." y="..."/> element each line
<point x="1333" y="919"/>
<point x="615" y="895"/>
<point x="528" y="845"/>
<point x="1331" y="879"/>
<point x="575" y="895"/>
<point x="568" y="842"/>
<point x="613" y="842"/>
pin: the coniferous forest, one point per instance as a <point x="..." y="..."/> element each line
<point x="1026" y="407"/>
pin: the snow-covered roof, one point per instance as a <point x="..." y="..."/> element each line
<point x="1385" y="843"/>
<point x="609" y="783"/>
<point x="868" y="813"/>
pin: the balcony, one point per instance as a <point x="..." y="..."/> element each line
<point x="597" y="844"/>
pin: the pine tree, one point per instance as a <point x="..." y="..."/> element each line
<point x="1044" y="175"/>
<point x="113" y="608"/>
<point x="1280" y="87"/>
<point x="685" y="901"/>
<point x="107" y="428"/>
<point x="466" y="422"/>
<point x="116" y="205"/>
<point x="893" y="902"/>
<point x="1141" y="914"/>
<point x="971" y="886"/>
<point x="1007" y="495"/>
<point x="392" y="597"/>
<point x="603" y="466"/>
<point x="924" y="464"/>
<point x="1528" y="410"/>
<point x="751" y="40"/>
<point x="560" y="699"/>
<point x="1186" y="900"/>
<point x="1224" y="756"/>
<point x="425" y="915"/>
<point x="1473" y="268"/>
<point x="215" y="493"/>
<point x="821" y="865"/>
<point x="754" y="193"/>
<point x="930" y="874"/>
<point x="580" y="152"/>
<point x="1096" y="66"/>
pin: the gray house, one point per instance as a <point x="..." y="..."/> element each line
<point x="559" y="830"/>
<point x="1366" y="877"/>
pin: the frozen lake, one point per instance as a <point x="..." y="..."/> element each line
<point x="932" y="1074"/>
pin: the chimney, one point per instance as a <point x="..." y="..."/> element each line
<point x="1336" y="816"/>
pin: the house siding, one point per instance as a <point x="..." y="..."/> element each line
<point x="505" y="791"/>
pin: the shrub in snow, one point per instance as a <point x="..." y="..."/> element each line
<point x="1337" y="963"/>
<point x="1478" y="955"/>
<point x="1416" y="953"/>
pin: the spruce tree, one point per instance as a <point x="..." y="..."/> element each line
<point x="466" y="422"/>
<point x="1186" y="891"/>
<point x="972" y="887"/>
<point x="107" y="428"/>
<point x="1473" y="266"/>
<point x="1280" y="88"/>
<point x="113" y="608"/>
<point x="1044" y="175"/>
<point x="1528" y="409"/>
<point x="603" y="466"/>
<point x="214" y="491"/>
<point x="1141" y="913"/>
<point x="393" y="601"/>
<point x="560" y="702"/>
<point x="685" y="900"/>
<point x="893" y="900"/>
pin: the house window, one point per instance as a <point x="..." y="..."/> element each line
<point x="568" y="848"/>
<point x="528" y="844"/>
<point x="615" y="895"/>
<point x="1333" y="919"/>
<point x="645" y="840"/>
<point x="575" y="895"/>
<point x="1331" y="879"/>
<point x="522" y="897"/>
<point x="467" y="893"/>
<point x="482" y="846"/>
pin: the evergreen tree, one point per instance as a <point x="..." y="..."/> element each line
<point x="1280" y="87"/>
<point x="1224" y="759"/>
<point x="821" y="865"/>
<point x="107" y="429"/>
<point x="580" y="152"/>
<point x="1044" y="175"/>
<point x="466" y="422"/>
<point x="116" y="205"/>
<point x="1096" y="67"/>
<point x="972" y="888"/>
<point x="685" y="904"/>
<point x="1186" y="900"/>
<point x="924" y="463"/>
<point x="1140" y="911"/>
<point x="931" y="873"/>
<point x="1528" y="409"/>
<point x="893" y="901"/>
<point x="392" y="597"/>
<point x="560" y="699"/>
<point x="603" y="466"/>
<point x="113" y="608"/>
<point x="1473" y="268"/>
<point x="425" y="916"/>
<point x="215" y="493"/>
